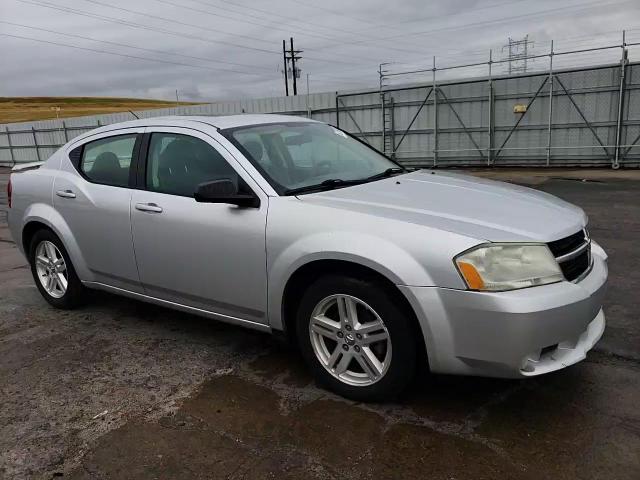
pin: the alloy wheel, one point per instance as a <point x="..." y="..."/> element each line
<point x="51" y="269"/>
<point x="350" y="340"/>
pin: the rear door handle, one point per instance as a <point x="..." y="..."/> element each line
<point x="65" y="194"/>
<point x="148" y="207"/>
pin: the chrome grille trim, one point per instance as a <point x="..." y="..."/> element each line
<point x="574" y="253"/>
<point x="564" y="260"/>
<point x="585" y="273"/>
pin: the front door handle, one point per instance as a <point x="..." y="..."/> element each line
<point x="65" y="194"/>
<point x="148" y="207"/>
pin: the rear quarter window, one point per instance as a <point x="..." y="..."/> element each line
<point x="108" y="160"/>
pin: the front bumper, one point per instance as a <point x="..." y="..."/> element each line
<point x="512" y="334"/>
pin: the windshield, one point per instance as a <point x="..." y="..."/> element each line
<point x="295" y="156"/>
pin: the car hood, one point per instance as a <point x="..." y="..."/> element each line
<point x="471" y="206"/>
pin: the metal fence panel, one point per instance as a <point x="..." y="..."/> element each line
<point x="465" y="122"/>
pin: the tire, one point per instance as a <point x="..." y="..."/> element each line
<point x="396" y="356"/>
<point x="74" y="293"/>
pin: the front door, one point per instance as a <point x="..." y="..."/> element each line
<point x="204" y="255"/>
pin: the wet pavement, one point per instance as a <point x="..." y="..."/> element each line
<point x="120" y="389"/>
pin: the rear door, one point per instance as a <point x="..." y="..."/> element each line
<point x="204" y="255"/>
<point x="92" y="192"/>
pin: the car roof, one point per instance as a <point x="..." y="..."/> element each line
<point x="222" y="122"/>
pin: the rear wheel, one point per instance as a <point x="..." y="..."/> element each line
<point x="53" y="271"/>
<point x="355" y="338"/>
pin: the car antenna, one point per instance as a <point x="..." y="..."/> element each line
<point x="137" y="117"/>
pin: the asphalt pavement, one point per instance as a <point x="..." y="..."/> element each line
<point x="123" y="390"/>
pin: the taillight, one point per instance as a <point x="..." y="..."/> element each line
<point x="9" y="192"/>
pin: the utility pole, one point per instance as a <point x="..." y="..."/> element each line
<point x="284" y="68"/>
<point x="518" y="54"/>
<point x="293" y="64"/>
<point x="308" y="109"/>
<point x="291" y="56"/>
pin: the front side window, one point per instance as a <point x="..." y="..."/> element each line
<point x="108" y="160"/>
<point x="179" y="163"/>
<point x="297" y="155"/>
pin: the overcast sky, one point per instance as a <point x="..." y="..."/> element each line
<point x="228" y="49"/>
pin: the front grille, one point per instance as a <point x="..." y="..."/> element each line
<point x="567" y="244"/>
<point x="575" y="267"/>
<point x="572" y="265"/>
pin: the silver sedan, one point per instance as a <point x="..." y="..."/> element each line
<point x="292" y="226"/>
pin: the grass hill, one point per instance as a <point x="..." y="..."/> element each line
<point x="23" y="109"/>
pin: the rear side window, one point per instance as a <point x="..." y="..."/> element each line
<point x="177" y="164"/>
<point x="108" y="160"/>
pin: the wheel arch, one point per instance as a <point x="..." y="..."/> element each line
<point x="41" y="216"/>
<point x="300" y="279"/>
<point x="30" y="230"/>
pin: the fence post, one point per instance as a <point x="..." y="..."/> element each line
<point x="550" y="105"/>
<point x="35" y="142"/>
<point x="380" y="86"/>
<point x="64" y="131"/>
<point x="490" y="126"/>
<point x="384" y="126"/>
<point x="435" y="115"/>
<point x="623" y="64"/>
<point x="13" y="159"/>
<point x="337" y="111"/>
<point x="392" y="133"/>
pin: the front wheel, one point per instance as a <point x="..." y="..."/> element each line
<point x="356" y="339"/>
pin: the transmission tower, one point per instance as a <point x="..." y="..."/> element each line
<point x="518" y="53"/>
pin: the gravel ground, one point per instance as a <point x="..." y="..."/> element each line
<point x="120" y="389"/>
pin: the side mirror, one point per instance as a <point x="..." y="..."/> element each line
<point x="225" y="191"/>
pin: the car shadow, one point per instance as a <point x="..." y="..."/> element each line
<point x="436" y="396"/>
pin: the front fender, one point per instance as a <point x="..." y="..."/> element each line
<point x="376" y="253"/>
<point x="46" y="214"/>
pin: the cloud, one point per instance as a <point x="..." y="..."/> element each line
<point x="343" y="42"/>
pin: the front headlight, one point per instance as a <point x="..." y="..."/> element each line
<point x="508" y="266"/>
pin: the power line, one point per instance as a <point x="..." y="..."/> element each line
<point x="95" y="50"/>
<point x="118" y="44"/>
<point x="304" y="32"/>
<point x="298" y="20"/>
<point x="131" y="24"/>
<point x="493" y="22"/>
<point x="243" y="20"/>
<point x="440" y="17"/>
<point x="328" y="10"/>
<point x="127" y="23"/>
<point x="145" y="27"/>
<point x="271" y="26"/>
<point x="280" y="17"/>
<point x="178" y="22"/>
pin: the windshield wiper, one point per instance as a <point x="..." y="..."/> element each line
<point x="329" y="184"/>
<point x="387" y="173"/>
<point x="332" y="183"/>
